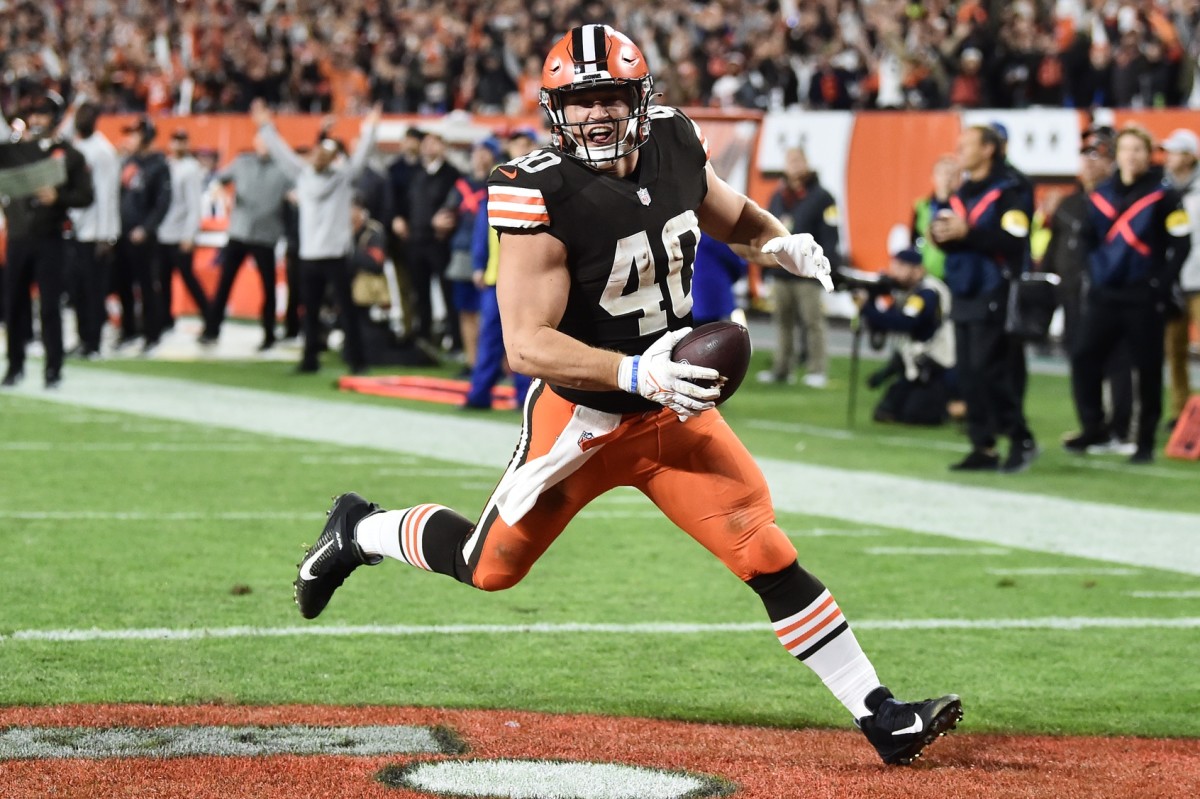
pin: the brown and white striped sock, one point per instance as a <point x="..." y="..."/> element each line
<point x="426" y="536"/>
<point x="811" y="627"/>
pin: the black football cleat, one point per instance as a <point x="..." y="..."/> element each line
<point x="899" y="731"/>
<point x="335" y="554"/>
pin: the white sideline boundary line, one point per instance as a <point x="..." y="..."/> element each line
<point x="1118" y="534"/>
<point x="1067" y="623"/>
<point x="168" y="516"/>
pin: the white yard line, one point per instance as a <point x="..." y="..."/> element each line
<point x="254" y="447"/>
<point x="938" y="551"/>
<point x="570" y="628"/>
<point x="166" y="516"/>
<point x="1063" y="571"/>
<point x="1165" y="594"/>
<point x="1115" y="533"/>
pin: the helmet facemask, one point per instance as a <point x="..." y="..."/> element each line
<point x="571" y="138"/>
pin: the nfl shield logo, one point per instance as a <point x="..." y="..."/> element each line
<point x="644" y="196"/>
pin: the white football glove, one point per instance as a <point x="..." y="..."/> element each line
<point x="656" y="377"/>
<point x="800" y="254"/>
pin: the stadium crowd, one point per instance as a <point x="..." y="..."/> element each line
<point x="199" y="56"/>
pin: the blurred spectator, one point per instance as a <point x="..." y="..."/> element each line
<point x="368" y="287"/>
<point x="714" y="274"/>
<point x="1066" y="256"/>
<point x="177" y="234"/>
<point x="1139" y="237"/>
<point x="256" y="223"/>
<point x="145" y="198"/>
<point x="399" y="175"/>
<point x="324" y="195"/>
<point x="465" y="200"/>
<point x="947" y="174"/>
<point x="428" y="224"/>
<point x="97" y="228"/>
<point x="803" y="205"/>
<point x="1182" y="148"/>
<point x="924" y="343"/>
<point x="986" y="240"/>
<point x="35" y="225"/>
<point x="485" y="248"/>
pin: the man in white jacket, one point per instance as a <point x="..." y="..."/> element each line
<point x="96" y="229"/>
<point x="177" y="233"/>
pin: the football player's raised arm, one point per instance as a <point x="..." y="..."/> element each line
<point x="732" y="217"/>
<point x="532" y="288"/>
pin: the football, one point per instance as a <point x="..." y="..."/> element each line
<point x="724" y="346"/>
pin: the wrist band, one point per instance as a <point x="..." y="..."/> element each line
<point x="633" y="381"/>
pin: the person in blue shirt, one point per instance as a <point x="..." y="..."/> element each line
<point x="716" y="271"/>
<point x="924" y="343"/>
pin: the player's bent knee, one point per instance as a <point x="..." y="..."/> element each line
<point x="495" y="581"/>
<point x="766" y="550"/>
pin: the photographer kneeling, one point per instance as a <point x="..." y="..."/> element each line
<point x="924" y="348"/>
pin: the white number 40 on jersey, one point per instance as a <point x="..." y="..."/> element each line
<point x="650" y="298"/>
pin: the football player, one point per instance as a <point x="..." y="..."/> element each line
<point x="597" y="236"/>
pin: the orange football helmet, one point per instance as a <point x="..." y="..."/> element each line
<point x="587" y="57"/>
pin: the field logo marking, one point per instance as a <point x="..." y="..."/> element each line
<point x="28" y="743"/>
<point x="550" y="779"/>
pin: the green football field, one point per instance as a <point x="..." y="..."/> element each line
<point x="147" y="558"/>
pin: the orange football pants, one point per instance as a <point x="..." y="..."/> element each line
<point x="697" y="472"/>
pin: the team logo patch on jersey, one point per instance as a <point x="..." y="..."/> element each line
<point x="914" y="305"/>
<point x="644" y="196"/>
<point x="1015" y="223"/>
<point x="1178" y="223"/>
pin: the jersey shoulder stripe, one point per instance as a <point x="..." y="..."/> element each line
<point x="516" y="207"/>
<point x="517" y="191"/>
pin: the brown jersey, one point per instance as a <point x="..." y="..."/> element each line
<point x="630" y="241"/>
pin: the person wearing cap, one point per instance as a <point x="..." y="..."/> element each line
<point x="96" y="228"/>
<point x="1182" y="148"/>
<point x="521" y="140"/>
<point x="145" y="198"/>
<point x="256" y="223"/>
<point x="324" y="192"/>
<point x="924" y="345"/>
<point x="1138" y="237"/>
<point x="36" y="248"/>
<point x="985" y="235"/>
<point x="1066" y="256"/>
<point x="177" y="233"/>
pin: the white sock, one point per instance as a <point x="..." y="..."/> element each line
<point x="379" y="534"/>
<point x="846" y="672"/>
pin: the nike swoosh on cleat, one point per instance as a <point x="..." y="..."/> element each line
<point x="305" y="574"/>
<point x="916" y="727"/>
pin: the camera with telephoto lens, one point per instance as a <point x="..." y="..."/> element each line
<point x="876" y="284"/>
